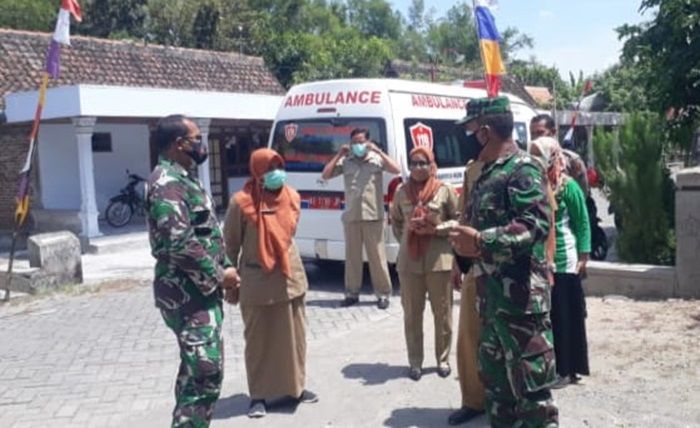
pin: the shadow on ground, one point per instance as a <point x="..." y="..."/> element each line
<point x="329" y="275"/>
<point x="426" y="418"/>
<point x="374" y="374"/>
<point x="237" y="406"/>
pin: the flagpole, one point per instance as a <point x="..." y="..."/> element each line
<point x="481" y="50"/>
<point x="24" y="184"/>
<point x="554" y="110"/>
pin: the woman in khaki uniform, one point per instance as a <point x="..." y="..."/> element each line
<point x="259" y="229"/>
<point x="422" y="214"/>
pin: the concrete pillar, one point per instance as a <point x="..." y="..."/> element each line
<point x="84" y="127"/>
<point x="203" y="171"/>
<point x="688" y="232"/>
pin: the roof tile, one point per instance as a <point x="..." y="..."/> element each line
<point x="122" y="63"/>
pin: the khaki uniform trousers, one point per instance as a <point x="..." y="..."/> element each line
<point x="369" y="234"/>
<point x="414" y="287"/>
<point x="473" y="394"/>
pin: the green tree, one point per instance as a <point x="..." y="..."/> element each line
<point x="114" y="18"/>
<point x="666" y="53"/>
<point x="33" y="15"/>
<point x="623" y="89"/>
<point x="632" y="167"/>
<point x="453" y="38"/>
<point x="374" y="18"/>
<point x="534" y="73"/>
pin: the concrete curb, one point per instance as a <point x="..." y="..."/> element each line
<point x="631" y="280"/>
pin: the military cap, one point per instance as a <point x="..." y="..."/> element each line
<point x="478" y="107"/>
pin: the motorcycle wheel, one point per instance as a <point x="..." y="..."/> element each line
<point x="599" y="244"/>
<point x="119" y="213"/>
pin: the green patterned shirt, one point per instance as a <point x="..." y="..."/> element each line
<point x="509" y="207"/>
<point x="186" y="239"/>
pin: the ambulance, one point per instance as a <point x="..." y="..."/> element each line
<point x="316" y="118"/>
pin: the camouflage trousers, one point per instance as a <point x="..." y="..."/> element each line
<point x="201" y="364"/>
<point x="516" y="365"/>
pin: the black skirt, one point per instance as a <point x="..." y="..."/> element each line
<point x="569" y="325"/>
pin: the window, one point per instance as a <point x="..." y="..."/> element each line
<point x="449" y="141"/>
<point x="102" y="142"/>
<point x="307" y="145"/>
<point x="520" y="133"/>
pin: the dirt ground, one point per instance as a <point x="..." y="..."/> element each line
<point x="645" y="366"/>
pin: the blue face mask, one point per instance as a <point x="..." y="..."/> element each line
<point x="359" y="150"/>
<point x="274" y="180"/>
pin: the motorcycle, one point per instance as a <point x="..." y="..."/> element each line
<point x="121" y="208"/>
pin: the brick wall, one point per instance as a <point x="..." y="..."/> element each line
<point x="13" y="151"/>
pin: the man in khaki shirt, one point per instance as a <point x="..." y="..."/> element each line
<point x="473" y="393"/>
<point x="362" y="163"/>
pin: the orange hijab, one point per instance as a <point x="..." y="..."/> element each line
<point x="420" y="194"/>
<point x="274" y="214"/>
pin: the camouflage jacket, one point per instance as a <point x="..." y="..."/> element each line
<point x="509" y="206"/>
<point x="186" y="239"/>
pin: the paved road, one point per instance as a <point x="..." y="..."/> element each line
<point x="97" y="358"/>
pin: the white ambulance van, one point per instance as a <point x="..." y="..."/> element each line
<point x="316" y="118"/>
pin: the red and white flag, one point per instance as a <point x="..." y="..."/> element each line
<point x="569" y="137"/>
<point x="61" y="35"/>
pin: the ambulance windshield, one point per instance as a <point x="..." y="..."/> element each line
<point x="447" y="139"/>
<point x="308" y="145"/>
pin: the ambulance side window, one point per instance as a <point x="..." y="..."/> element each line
<point x="448" y="140"/>
<point x="520" y="132"/>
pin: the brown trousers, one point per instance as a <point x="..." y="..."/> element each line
<point x="275" y="349"/>
<point x="473" y="394"/>
<point x="369" y="234"/>
<point x="413" y="290"/>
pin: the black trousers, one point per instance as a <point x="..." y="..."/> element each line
<point x="569" y="325"/>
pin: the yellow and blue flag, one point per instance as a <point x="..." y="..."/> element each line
<point x="489" y="43"/>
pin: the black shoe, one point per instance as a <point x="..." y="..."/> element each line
<point x="257" y="409"/>
<point x="463" y="415"/>
<point x="574" y="379"/>
<point x="383" y="303"/>
<point x="308" y="397"/>
<point x="415" y="373"/>
<point x="444" y="370"/>
<point x="349" y="301"/>
<point x="562" y="382"/>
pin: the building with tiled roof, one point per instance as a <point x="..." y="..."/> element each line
<point x="99" y="114"/>
<point x="92" y="61"/>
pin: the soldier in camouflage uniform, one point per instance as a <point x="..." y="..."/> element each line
<point x="508" y="225"/>
<point x="192" y="272"/>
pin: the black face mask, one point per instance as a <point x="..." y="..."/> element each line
<point x="198" y="153"/>
<point x="473" y="147"/>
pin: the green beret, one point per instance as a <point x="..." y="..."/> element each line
<point x="479" y="107"/>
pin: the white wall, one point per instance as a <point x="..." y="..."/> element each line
<point x="130" y="150"/>
<point x="58" y="164"/>
<point x="58" y="167"/>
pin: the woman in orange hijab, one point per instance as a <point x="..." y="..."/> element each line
<point x="422" y="214"/>
<point x="259" y="234"/>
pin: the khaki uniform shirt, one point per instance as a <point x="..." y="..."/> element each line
<point x="259" y="287"/>
<point x="364" y="196"/>
<point x="471" y="174"/>
<point x="443" y="212"/>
